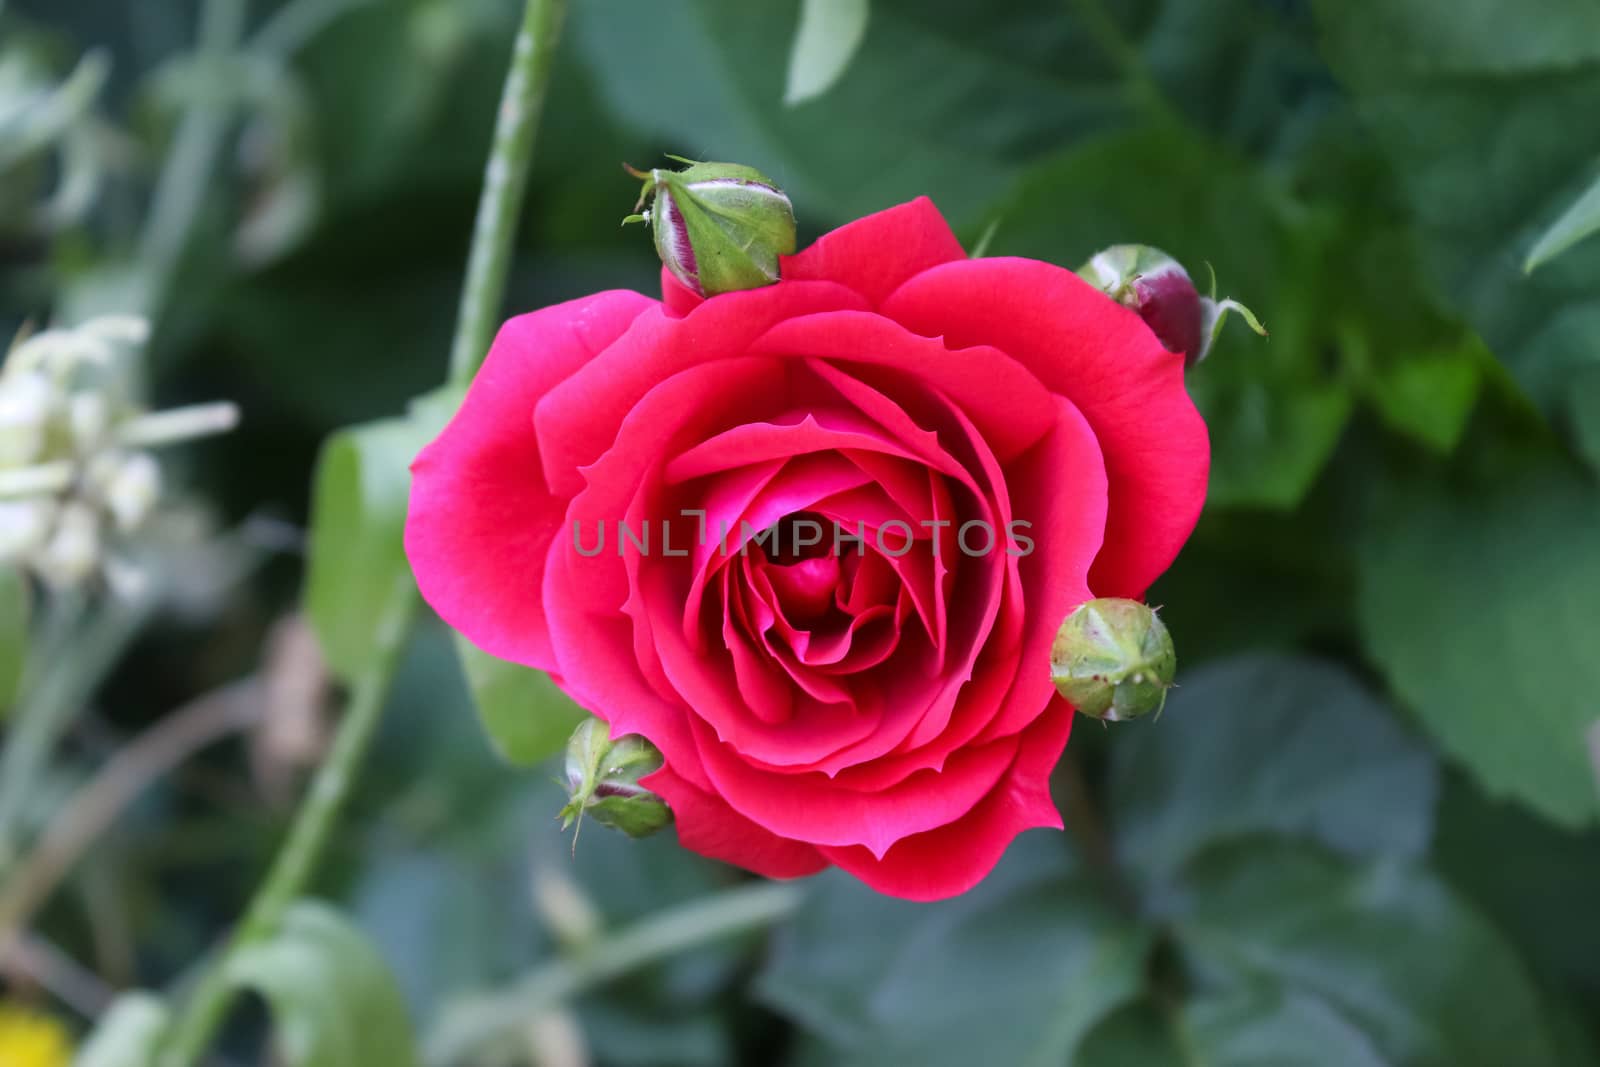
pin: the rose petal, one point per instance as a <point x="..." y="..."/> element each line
<point x="708" y="826"/>
<point x="578" y="420"/>
<point x="876" y="254"/>
<point x="951" y="859"/>
<point x="809" y="807"/>
<point x="481" y="517"/>
<point x="1103" y="358"/>
<point x="1002" y="397"/>
<point x="677" y="298"/>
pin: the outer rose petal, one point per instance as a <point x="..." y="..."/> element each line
<point x="1103" y="358"/>
<point x="877" y="254"/>
<point x="677" y="298"/>
<point x="952" y="859"/>
<point x="481" y="517"/>
<point x="707" y="825"/>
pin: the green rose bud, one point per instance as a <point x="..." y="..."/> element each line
<point x="718" y="227"/>
<point x="1156" y="286"/>
<point x="1113" y="659"/>
<point x="603" y="781"/>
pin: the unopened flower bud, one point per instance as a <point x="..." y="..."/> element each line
<point x="1156" y="286"/>
<point x="1113" y="659"/>
<point x="72" y="553"/>
<point x="132" y="490"/>
<point x="603" y="781"/>
<point x="717" y="226"/>
<point x="27" y="401"/>
<point x="24" y="525"/>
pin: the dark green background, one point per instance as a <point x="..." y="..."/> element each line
<point x="1363" y="832"/>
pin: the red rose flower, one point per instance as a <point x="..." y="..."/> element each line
<point x="880" y="702"/>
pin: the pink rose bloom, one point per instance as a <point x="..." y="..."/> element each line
<point x="997" y="440"/>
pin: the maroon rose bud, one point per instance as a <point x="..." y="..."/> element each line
<point x="1156" y="286"/>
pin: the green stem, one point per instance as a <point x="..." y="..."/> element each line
<point x="208" y="1003"/>
<point x="505" y="180"/>
<point x="181" y="189"/>
<point x="475" y="1026"/>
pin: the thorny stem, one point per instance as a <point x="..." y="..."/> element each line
<point x="504" y="182"/>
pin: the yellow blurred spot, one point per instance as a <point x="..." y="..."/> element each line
<point x="29" y="1039"/>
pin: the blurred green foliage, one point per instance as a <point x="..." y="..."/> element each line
<point x="1364" y="829"/>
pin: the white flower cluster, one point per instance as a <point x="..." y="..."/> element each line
<point x="76" y="471"/>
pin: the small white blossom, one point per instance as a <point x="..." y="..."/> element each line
<point x="24" y="525"/>
<point x="132" y="490"/>
<point x="89" y="416"/>
<point x="72" y="554"/>
<point x="27" y="402"/>
<point x="76" y="473"/>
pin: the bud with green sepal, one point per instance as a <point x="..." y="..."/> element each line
<point x="1157" y="287"/>
<point x="1113" y="659"/>
<point x="718" y="227"/>
<point x="602" y="778"/>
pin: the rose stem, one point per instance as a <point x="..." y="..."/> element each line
<point x="505" y="179"/>
<point x="504" y="182"/>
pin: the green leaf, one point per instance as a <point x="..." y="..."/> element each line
<point x="1430" y="396"/>
<point x="949" y="98"/>
<point x="1138" y="1035"/>
<point x="1246" y="559"/>
<point x="1540" y="889"/>
<point x="528" y="719"/>
<point x="1584" y="397"/>
<point x="1474" y="103"/>
<point x="1385" y="949"/>
<point x="14" y="611"/>
<point x="1270" y="439"/>
<point x="1270" y="1027"/>
<point x="357" y="550"/>
<point x="830" y="33"/>
<point x="1578" y="222"/>
<point x="943" y="99"/>
<point x="1268" y="744"/>
<point x="129" y="1033"/>
<point x="889" y="982"/>
<point x="1480" y="608"/>
<point x="334" y="1002"/>
<point x="406" y="91"/>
